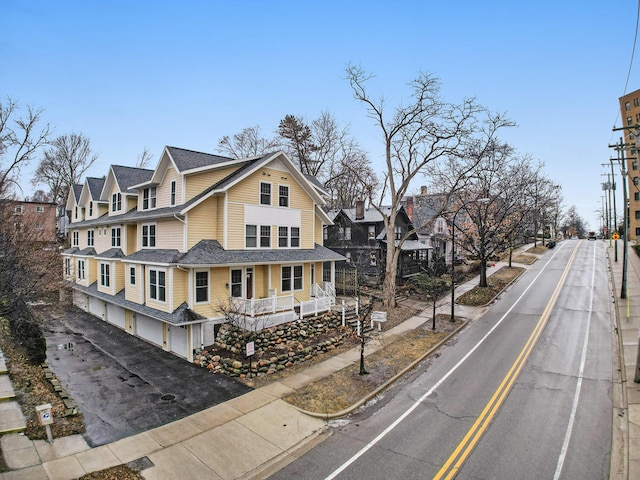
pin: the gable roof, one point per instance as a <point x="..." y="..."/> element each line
<point x="74" y="195"/>
<point x="95" y="187"/>
<point x="186" y="160"/>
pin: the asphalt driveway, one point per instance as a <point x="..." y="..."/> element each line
<point x="123" y="385"/>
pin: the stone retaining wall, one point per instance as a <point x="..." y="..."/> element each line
<point x="276" y="348"/>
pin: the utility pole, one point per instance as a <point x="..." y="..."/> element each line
<point x="619" y="147"/>
<point x="615" y="213"/>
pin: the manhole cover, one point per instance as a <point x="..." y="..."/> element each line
<point x="168" y="397"/>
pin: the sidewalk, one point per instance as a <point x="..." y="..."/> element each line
<point x="247" y="437"/>
<point x="625" y="449"/>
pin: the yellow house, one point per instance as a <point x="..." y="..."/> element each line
<point x="166" y="254"/>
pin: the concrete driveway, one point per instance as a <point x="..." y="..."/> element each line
<point x="123" y="385"/>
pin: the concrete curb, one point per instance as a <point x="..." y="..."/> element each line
<point x="385" y="385"/>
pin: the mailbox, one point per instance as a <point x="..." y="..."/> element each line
<point x="44" y="414"/>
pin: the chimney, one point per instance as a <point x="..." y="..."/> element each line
<point x="359" y="209"/>
<point x="408" y="207"/>
<point x="423" y="190"/>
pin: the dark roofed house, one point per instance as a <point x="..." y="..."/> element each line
<point x="359" y="235"/>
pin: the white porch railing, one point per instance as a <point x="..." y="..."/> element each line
<point x="260" y="306"/>
<point x="315" y="306"/>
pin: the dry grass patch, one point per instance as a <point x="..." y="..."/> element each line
<point x="525" y="259"/>
<point x="346" y="387"/>
<point x="539" y="250"/>
<point x="495" y="284"/>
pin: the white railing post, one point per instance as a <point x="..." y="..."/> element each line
<point x="358" y="306"/>
<point x="359" y="326"/>
<point x="344" y="323"/>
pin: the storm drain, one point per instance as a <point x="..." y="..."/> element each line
<point x="168" y="397"/>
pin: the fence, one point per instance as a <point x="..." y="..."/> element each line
<point x="346" y="283"/>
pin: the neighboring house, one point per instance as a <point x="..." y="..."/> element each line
<point x="359" y="234"/>
<point x="167" y="254"/>
<point x="424" y="211"/>
<point x="33" y="221"/>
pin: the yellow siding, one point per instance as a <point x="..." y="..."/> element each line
<point x="132" y="239"/>
<point x="306" y="240"/>
<point x="180" y="287"/>
<point x="119" y="276"/>
<point x="260" y="278"/>
<point x="318" y="233"/>
<point x="169" y="234"/>
<point x="220" y="225"/>
<point x="102" y="209"/>
<point x="201" y="222"/>
<point x="235" y="227"/>
<point x="102" y="242"/>
<point x="164" y="189"/>
<point x="132" y="202"/>
<point x="91" y="270"/>
<point x="133" y="293"/>
<point x="201" y="181"/>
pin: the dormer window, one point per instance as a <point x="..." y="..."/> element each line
<point x="116" y="202"/>
<point x="149" y="198"/>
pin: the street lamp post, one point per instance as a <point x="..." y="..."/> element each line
<point x="453" y="253"/>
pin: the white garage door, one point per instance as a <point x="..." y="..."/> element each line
<point x="81" y="300"/>
<point x="178" y="338"/>
<point x="96" y="307"/>
<point x="115" y="315"/>
<point x="149" y="328"/>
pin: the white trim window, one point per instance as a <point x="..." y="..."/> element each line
<point x="105" y="279"/>
<point x="90" y="209"/>
<point x="157" y="285"/>
<point x="283" y="195"/>
<point x="90" y="240"/>
<point x="67" y="266"/>
<point x="132" y="275"/>
<point x="116" y="202"/>
<point x="172" y="195"/>
<point x="265" y="236"/>
<point x="283" y="237"/>
<point x="251" y="236"/>
<point x="291" y="278"/>
<point x="40" y="208"/>
<point x="115" y="236"/>
<point x="19" y="210"/>
<point x="149" y="198"/>
<point x="201" y="282"/>
<point x="75" y="238"/>
<point x="236" y="283"/>
<point x="265" y="193"/>
<point x="149" y="235"/>
<point x="81" y="275"/>
<point x="295" y="237"/>
<point x="372" y="231"/>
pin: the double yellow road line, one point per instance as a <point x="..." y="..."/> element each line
<point x="453" y="464"/>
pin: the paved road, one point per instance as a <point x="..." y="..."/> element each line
<point x="123" y="385"/>
<point x="524" y="392"/>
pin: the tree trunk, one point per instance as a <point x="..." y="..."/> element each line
<point x="434" y="314"/>
<point x="483" y="273"/>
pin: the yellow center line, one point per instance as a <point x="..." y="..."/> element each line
<point x="450" y="469"/>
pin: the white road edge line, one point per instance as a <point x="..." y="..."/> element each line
<point x="576" y="396"/>
<point x="384" y="433"/>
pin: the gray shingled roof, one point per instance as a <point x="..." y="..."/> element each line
<point x="188" y="159"/>
<point x="210" y="252"/>
<point x="128" y="176"/>
<point x="180" y="316"/>
<point x="71" y="251"/>
<point x="77" y="191"/>
<point x="154" y="255"/>
<point x="95" y="187"/>
<point x="111" y="253"/>
<point x="87" y="252"/>
<point x="371" y="215"/>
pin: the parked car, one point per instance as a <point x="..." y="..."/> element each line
<point x="591" y="236"/>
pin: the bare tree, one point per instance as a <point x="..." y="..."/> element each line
<point x="415" y="136"/>
<point x="144" y="159"/>
<point x="64" y="164"/>
<point x="20" y="138"/>
<point x="248" y="143"/>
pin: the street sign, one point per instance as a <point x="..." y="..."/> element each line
<point x="250" y="349"/>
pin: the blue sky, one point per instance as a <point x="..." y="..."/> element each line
<point x="135" y="74"/>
